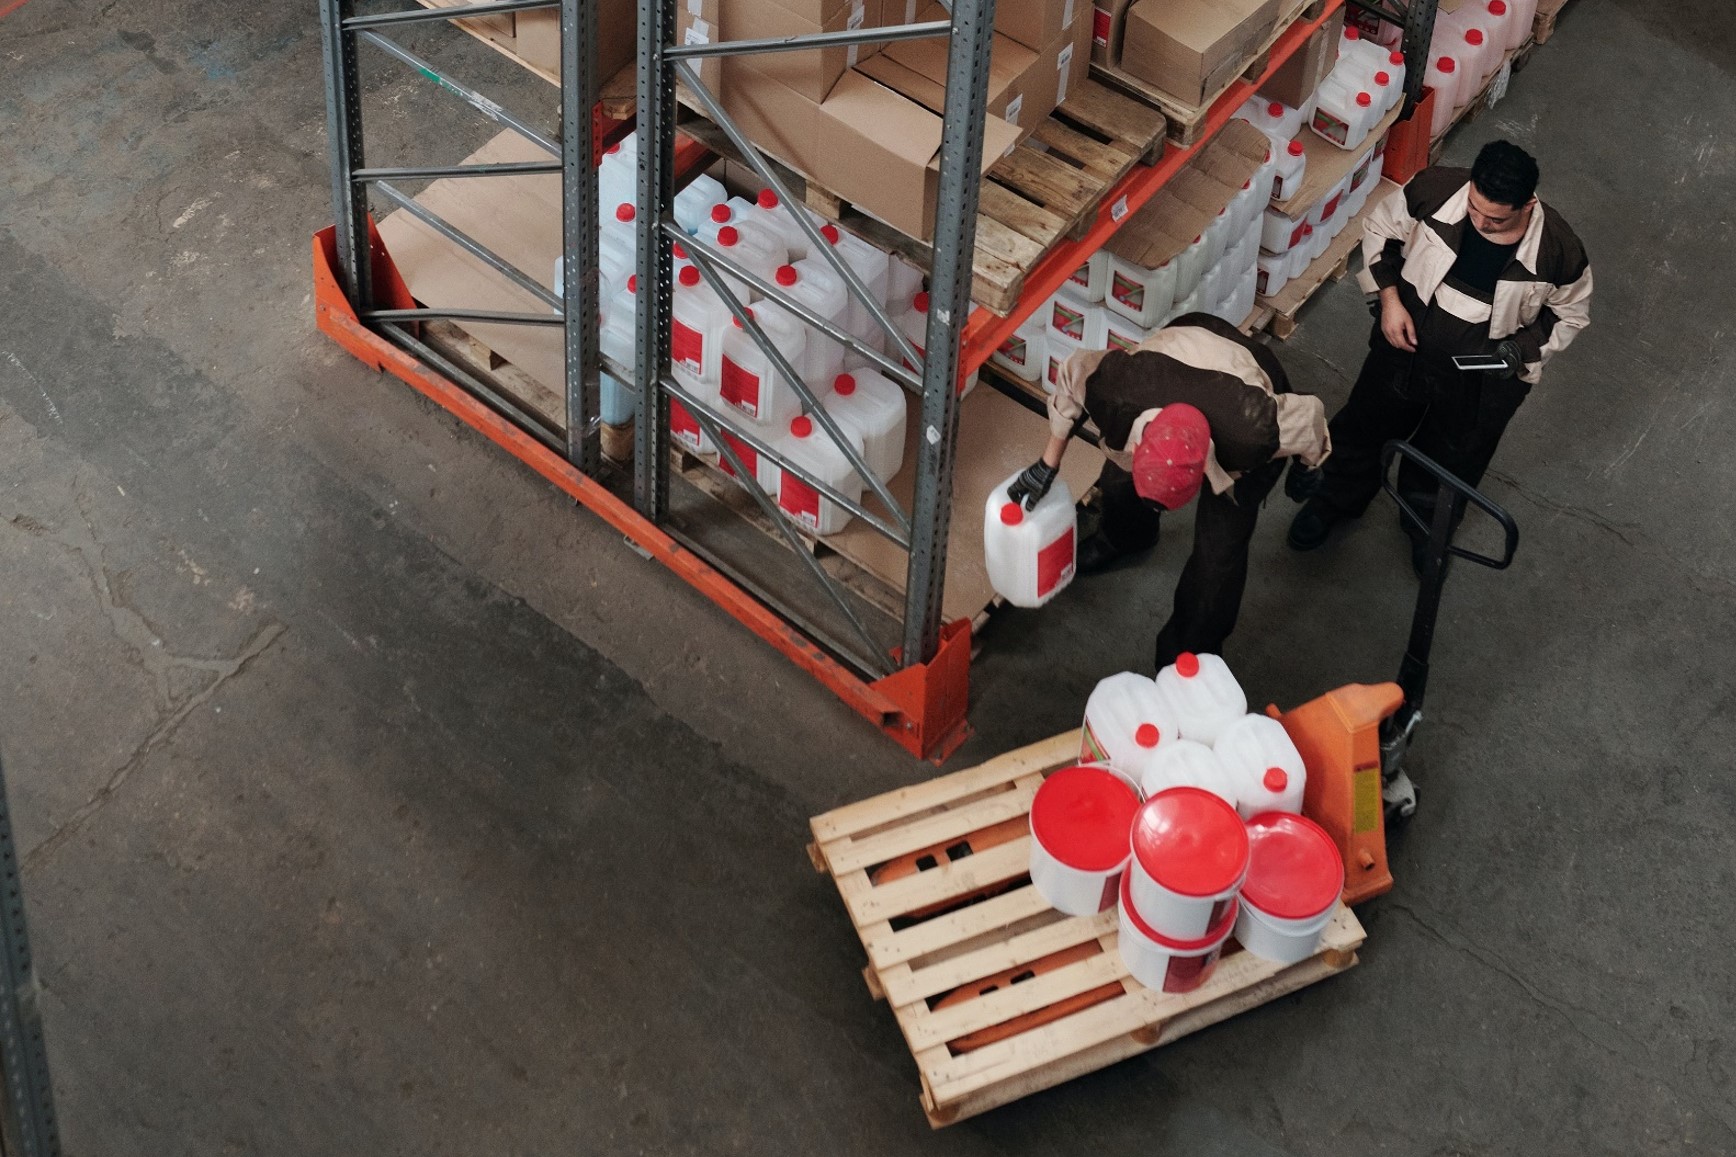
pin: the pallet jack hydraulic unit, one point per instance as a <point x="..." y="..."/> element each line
<point x="1354" y="739"/>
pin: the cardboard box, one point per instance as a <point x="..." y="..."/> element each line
<point x="696" y="23"/>
<point x="1035" y="23"/>
<point x="812" y="73"/>
<point x="881" y="151"/>
<point x="1298" y="77"/>
<point x="538" y="37"/>
<point x="1108" y="19"/>
<point x="1193" y="48"/>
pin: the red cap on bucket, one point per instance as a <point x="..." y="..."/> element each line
<point x="1294" y="870"/>
<point x="1081" y="816"/>
<point x="1191" y="842"/>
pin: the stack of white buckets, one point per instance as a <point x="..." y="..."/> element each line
<point x="715" y="361"/>
<point x="1184" y="814"/>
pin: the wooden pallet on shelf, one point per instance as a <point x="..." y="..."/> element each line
<point x="1187" y="122"/>
<point x="1548" y="12"/>
<point x="997" y="994"/>
<point x="1329" y="267"/>
<point x="1046" y="191"/>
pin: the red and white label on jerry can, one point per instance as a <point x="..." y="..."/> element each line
<point x="1055" y="564"/>
<point x="741" y="389"/>
<point x="799" y="499"/>
<point x="686" y="347"/>
<point x="684" y="426"/>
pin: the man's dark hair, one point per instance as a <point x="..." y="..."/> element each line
<point x="1505" y="173"/>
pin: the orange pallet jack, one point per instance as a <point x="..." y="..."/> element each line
<point x="1353" y="740"/>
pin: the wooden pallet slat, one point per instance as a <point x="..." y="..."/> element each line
<point x="939" y="828"/>
<point x="953" y="979"/>
<point x="1138" y="128"/>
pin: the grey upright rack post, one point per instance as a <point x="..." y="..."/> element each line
<point x="27" y="1123"/>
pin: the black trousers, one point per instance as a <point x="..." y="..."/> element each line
<point x="1454" y="417"/>
<point x="1209" y="596"/>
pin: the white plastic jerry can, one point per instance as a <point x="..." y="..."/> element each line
<point x="765" y="472"/>
<point x="747" y="378"/>
<point x="1124" y="335"/>
<point x="1280" y="234"/>
<point x="1091" y="280"/>
<point x="1057" y="348"/>
<point x="1024" y="353"/>
<point x="1291" y="168"/>
<point x="1343" y="115"/>
<point x="1443" y="77"/>
<point x="872" y="267"/>
<point x="1030" y="554"/>
<point x="913" y="324"/>
<point x="616" y="339"/>
<point x="775" y="219"/>
<point x="698" y="320"/>
<point x="1203" y="695"/>
<point x="1190" y="266"/>
<point x="693" y="204"/>
<point x="1126" y="723"/>
<point x="817" y="285"/>
<point x="755" y="250"/>
<point x="1186" y="763"/>
<point x="617" y="245"/>
<point x="1077" y="319"/>
<point x="873" y="408"/>
<point x="1274" y="274"/>
<point x="1264" y="765"/>
<point x="811" y="448"/>
<point x="1143" y="296"/>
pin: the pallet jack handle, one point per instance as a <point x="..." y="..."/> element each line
<point x="1451" y="498"/>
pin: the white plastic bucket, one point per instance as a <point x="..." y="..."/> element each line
<point x="1190" y="855"/>
<point x="1264" y="765"/>
<point x="1163" y="962"/>
<point x="1080" y="820"/>
<point x="1295" y="879"/>
<point x="1203" y="694"/>
<point x="1030" y="555"/>
<point x="1126" y="724"/>
<point x="1185" y="763"/>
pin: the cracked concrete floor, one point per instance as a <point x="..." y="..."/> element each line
<point x="372" y="800"/>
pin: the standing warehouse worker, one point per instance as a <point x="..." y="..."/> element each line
<point x="1196" y="401"/>
<point x="1464" y="263"/>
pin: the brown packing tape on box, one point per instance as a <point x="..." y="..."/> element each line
<point x="1192" y="48"/>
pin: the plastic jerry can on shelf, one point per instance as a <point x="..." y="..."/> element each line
<point x="1343" y="115"/>
<point x="715" y="218"/>
<point x="815" y="284"/>
<point x="1358" y="56"/>
<point x="1280" y="234"/>
<point x="1268" y="170"/>
<point x="747" y="379"/>
<point x="1443" y="77"/>
<point x="1126" y="724"/>
<point x="1057" y="348"/>
<point x="1245" y="206"/>
<point x="1024" y="353"/>
<point x="871" y="265"/>
<point x="903" y="280"/>
<point x="765" y="472"/>
<point x="755" y="250"/>
<point x="1187" y="763"/>
<point x="1290" y="170"/>
<point x="913" y="324"/>
<point x="1263" y="763"/>
<point x="618" y="245"/>
<point x="1123" y="334"/>
<point x="1394" y="68"/>
<point x="618" y="173"/>
<point x="1030" y="554"/>
<point x="1190" y="266"/>
<point x="616" y="339"/>
<point x="1276" y="119"/>
<point x="1077" y="319"/>
<point x="873" y="408"/>
<point x="772" y="216"/>
<point x="1274" y="274"/>
<point x="808" y="446"/>
<point x="693" y="204"/>
<point x="1091" y="280"/>
<point x="1239" y="301"/>
<point x="1204" y="697"/>
<point x="1519" y="17"/>
<point x="698" y="320"/>
<point x="1142" y="296"/>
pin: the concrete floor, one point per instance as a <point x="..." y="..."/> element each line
<point x="373" y="800"/>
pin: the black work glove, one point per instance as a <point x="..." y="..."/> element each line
<point x="1301" y="482"/>
<point x="1034" y="482"/>
<point x="1508" y="351"/>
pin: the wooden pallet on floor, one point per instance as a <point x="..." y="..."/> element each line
<point x="997" y="994"/>
<point x="1329" y="267"/>
<point x="1046" y="191"/>
<point x="1187" y="121"/>
<point x="1548" y="12"/>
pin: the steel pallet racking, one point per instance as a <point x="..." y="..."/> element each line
<point x="913" y="687"/>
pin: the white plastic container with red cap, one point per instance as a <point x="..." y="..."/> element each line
<point x="1273" y="275"/>
<point x="1290" y="168"/>
<point x="1295" y="879"/>
<point x="747" y="378"/>
<point x="1073" y="317"/>
<point x="617" y="339"/>
<point x="777" y="220"/>
<point x="1521" y="14"/>
<point x="873" y="268"/>
<point x="1091" y="280"/>
<point x="1394" y="68"/>
<point x="618" y="174"/>
<point x="1276" y="119"/>
<point x="1280" y="234"/>
<point x="1443" y="76"/>
<point x="1190" y="853"/>
<point x="715" y="218"/>
<point x="1185" y="763"/>
<point x="694" y="203"/>
<point x="1358" y="56"/>
<point x="1142" y="296"/>
<point x="765" y="471"/>
<point x="1238" y="301"/>
<point x="754" y="250"/>
<point x="913" y="324"/>
<point x="1057" y="348"/>
<point x="1344" y="115"/>
<point x="873" y="408"/>
<point x="807" y="445"/>
<point x="1190" y="266"/>
<point x="698" y="319"/>
<point x="1245" y="206"/>
<point x="617" y="245"/>
<point x="1024" y="353"/>
<point x="813" y="282"/>
<point x="1264" y="765"/>
<point x="903" y="282"/>
<point x="1031" y="554"/>
<point x="1165" y="963"/>
<point x="1126" y="723"/>
<point x="1081" y="818"/>
<point x="1202" y="694"/>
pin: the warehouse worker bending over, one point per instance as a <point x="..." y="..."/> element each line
<point x="1195" y="401"/>
<point x="1464" y="263"/>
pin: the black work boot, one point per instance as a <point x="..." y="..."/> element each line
<point x="1312" y="525"/>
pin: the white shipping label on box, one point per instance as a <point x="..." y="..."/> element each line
<point x="1067" y="14"/>
<point x="1063" y="66"/>
<point x="699" y="32"/>
<point x="1014" y="108"/>
<point x="858" y="17"/>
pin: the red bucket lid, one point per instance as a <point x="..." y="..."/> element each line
<point x="1191" y="842"/>
<point x="1294" y="869"/>
<point x="1217" y="932"/>
<point x="1081" y="816"/>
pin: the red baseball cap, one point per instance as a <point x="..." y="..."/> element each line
<point x="1170" y="460"/>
